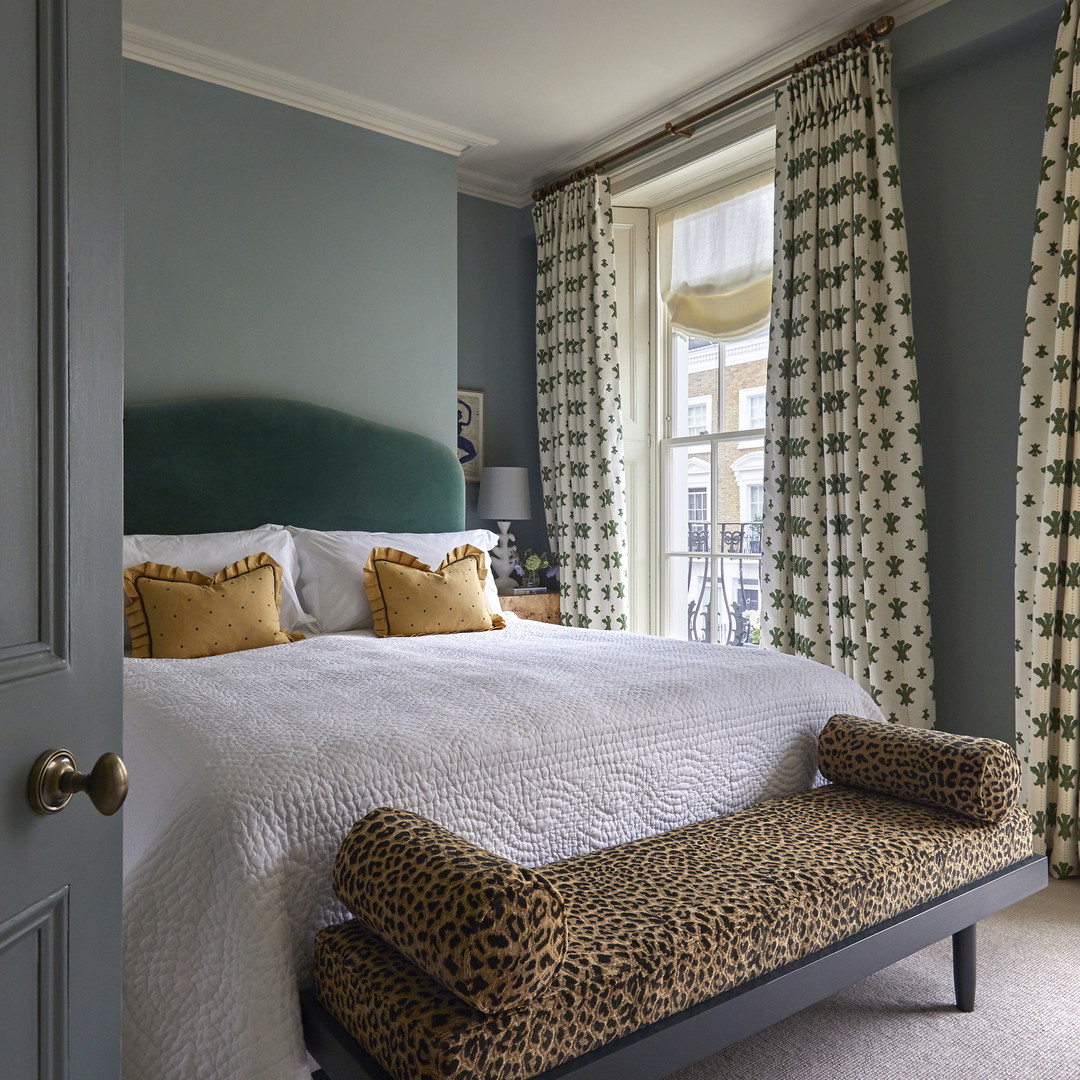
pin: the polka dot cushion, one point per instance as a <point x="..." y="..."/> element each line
<point x="408" y="598"/>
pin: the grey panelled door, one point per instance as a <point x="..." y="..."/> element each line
<point x="60" y="641"/>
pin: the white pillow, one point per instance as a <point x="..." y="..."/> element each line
<point x="332" y="569"/>
<point x="209" y="552"/>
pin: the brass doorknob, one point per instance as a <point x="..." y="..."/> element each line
<point x="55" y="777"/>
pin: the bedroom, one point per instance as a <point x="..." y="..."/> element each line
<point x="473" y="250"/>
<point x="204" y="164"/>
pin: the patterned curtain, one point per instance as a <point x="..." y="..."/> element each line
<point x="579" y="410"/>
<point x="1047" y="497"/>
<point x="844" y="578"/>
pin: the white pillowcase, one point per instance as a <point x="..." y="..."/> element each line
<point x="209" y="552"/>
<point x="332" y="569"/>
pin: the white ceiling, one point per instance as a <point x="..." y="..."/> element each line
<point x="523" y="91"/>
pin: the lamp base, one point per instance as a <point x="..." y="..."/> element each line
<point x="499" y="557"/>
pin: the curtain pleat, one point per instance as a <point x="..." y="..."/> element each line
<point x="1047" y="498"/>
<point x="844" y="575"/>
<point x="579" y="410"/>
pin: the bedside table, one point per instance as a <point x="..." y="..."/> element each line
<point x="539" y="607"/>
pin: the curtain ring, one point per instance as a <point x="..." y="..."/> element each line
<point x="685" y="132"/>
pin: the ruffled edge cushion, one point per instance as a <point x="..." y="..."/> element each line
<point x="164" y="626"/>
<point x="409" y="599"/>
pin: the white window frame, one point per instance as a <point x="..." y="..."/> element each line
<point x="736" y="148"/>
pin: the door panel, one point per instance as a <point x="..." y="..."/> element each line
<point x="33" y="954"/>
<point x="60" y="631"/>
<point x="19" y="617"/>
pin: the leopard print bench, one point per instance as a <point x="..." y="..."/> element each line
<point x="462" y="966"/>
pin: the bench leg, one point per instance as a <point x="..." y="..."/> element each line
<point x="963" y="965"/>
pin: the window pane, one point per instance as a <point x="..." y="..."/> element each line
<point x="689" y="593"/>
<point x="713" y="598"/>
<point x="739" y="608"/>
<point x="689" y="514"/>
<point x="695" y="372"/>
<point x="740" y="478"/>
<point x="713" y="536"/>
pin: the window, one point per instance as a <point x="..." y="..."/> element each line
<point x="755" y="502"/>
<point x="688" y="368"/>
<point x="698" y="420"/>
<point x="752" y="408"/>
<point x="749" y="473"/>
<point x="697" y="519"/>
<point x="712" y="390"/>
<point x="711" y="589"/>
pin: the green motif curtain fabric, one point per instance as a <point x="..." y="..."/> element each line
<point x="579" y="410"/>
<point x="1047" y="497"/>
<point x="844" y="578"/>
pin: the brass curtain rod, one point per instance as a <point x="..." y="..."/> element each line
<point x="686" y="127"/>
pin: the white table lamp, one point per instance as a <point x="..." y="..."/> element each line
<point x="504" y="497"/>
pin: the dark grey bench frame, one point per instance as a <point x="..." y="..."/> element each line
<point x="689" y="1036"/>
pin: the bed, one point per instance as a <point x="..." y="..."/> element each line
<point x="535" y="741"/>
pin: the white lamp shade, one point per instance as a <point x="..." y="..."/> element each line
<point x="504" y="494"/>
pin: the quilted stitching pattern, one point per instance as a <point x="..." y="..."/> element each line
<point x="559" y="759"/>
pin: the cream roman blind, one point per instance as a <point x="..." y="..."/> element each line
<point x="716" y="262"/>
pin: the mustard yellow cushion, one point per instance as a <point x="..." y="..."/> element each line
<point x="408" y="598"/>
<point x="182" y="614"/>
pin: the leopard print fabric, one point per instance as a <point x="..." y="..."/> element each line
<point x="489" y="930"/>
<point x="663" y="923"/>
<point x="979" y="778"/>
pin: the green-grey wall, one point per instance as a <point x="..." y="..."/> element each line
<point x="971" y="80"/>
<point x="497" y="344"/>
<point x="269" y="250"/>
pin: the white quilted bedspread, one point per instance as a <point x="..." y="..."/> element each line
<point x="536" y="742"/>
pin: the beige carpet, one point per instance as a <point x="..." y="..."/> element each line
<point x="901" y="1023"/>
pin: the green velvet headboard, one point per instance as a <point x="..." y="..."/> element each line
<point x="221" y="464"/>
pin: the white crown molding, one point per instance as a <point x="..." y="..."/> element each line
<point x="487" y="187"/>
<point x="771" y="64"/>
<point x="209" y="65"/>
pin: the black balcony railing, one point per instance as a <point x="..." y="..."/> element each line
<point x="733" y="537"/>
<point x="699" y="536"/>
<point x="739" y="589"/>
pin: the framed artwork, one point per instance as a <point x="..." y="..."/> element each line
<point x="470" y="433"/>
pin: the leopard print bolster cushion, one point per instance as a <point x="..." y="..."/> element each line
<point x="489" y="930"/>
<point x="977" y="778"/>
